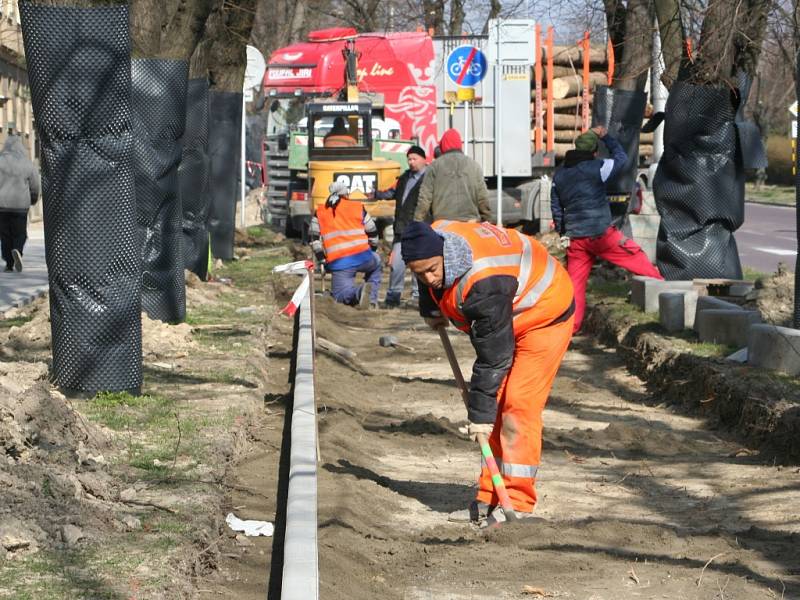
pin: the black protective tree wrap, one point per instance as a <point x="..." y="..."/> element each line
<point x="699" y="185"/>
<point x="159" y="114"/>
<point x="79" y="70"/>
<point x="193" y="174"/>
<point x="224" y="148"/>
<point x="621" y="112"/>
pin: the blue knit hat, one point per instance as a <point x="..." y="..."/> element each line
<point x="419" y="241"/>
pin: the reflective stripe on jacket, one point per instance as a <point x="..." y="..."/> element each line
<point x="544" y="290"/>
<point x="341" y="228"/>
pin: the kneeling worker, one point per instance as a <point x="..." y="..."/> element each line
<point x="344" y="237"/>
<point x="516" y="303"/>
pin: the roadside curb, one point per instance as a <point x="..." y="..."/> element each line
<point x="24" y="300"/>
<point x="759" y="407"/>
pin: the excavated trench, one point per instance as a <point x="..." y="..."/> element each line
<point x="637" y="499"/>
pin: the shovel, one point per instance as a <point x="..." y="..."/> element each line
<point x="483" y="442"/>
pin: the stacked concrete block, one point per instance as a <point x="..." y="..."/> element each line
<point x="676" y="310"/>
<point x="741" y="289"/>
<point x="671" y="311"/>
<point x="773" y="347"/>
<point x="645" y="291"/>
<point x="644" y="230"/>
<point x="726" y="326"/>
<point x="690" y="300"/>
<point x="711" y="303"/>
<point x="644" y="226"/>
<point x="740" y="356"/>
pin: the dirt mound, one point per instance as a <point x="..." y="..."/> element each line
<point x="44" y="446"/>
<point x="34" y="416"/>
<point x="773" y="296"/>
<point x="201" y="293"/>
<point x="32" y="335"/>
<point x="257" y="236"/>
<point x="163" y="340"/>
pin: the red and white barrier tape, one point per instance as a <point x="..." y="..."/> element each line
<point x="301" y="267"/>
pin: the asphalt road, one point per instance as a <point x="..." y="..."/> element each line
<point x="768" y="236"/>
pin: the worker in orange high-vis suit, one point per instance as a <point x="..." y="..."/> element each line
<point x="344" y="238"/>
<point x="338" y="136"/>
<point x="516" y="303"/>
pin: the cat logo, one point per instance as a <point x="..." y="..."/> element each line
<point x="363" y="182"/>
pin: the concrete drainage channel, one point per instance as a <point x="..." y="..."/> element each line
<point x="300" y="579"/>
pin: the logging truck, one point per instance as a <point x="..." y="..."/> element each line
<point x="525" y="119"/>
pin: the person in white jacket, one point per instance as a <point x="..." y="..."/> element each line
<point x="19" y="189"/>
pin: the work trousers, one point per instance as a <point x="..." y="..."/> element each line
<point x="516" y="439"/>
<point x="397" y="277"/>
<point x="343" y="285"/>
<point x="611" y="246"/>
<point x="13" y="234"/>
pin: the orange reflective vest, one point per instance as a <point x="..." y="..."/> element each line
<point x="338" y="141"/>
<point x="544" y="290"/>
<point x="342" y="229"/>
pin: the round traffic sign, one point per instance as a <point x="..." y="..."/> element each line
<point x="256" y="65"/>
<point x="466" y="66"/>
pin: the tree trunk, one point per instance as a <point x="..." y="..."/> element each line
<point x="750" y="37"/>
<point x="731" y="39"/>
<point x="560" y="71"/>
<point x="169" y="30"/>
<point x="714" y="60"/>
<point x="456" y="17"/>
<point x="277" y="24"/>
<point x="495" y="7"/>
<point x="226" y="33"/>
<point x="670" y="27"/>
<point x="434" y="15"/>
<point x="147" y="17"/>
<point x="183" y="27"/>
<point x="571" y="86"/>
<point x="615" y="21"/>
<point x="632" y="67"/>
<point x="572" y="56"/>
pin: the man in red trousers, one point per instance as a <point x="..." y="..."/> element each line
<point x="582" y="213"/>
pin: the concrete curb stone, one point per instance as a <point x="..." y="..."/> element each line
<point x="773" y="347"/>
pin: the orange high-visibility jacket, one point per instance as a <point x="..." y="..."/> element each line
<point x="544" y="290"/>
<point x="341" y="228"/>
<point x="339" y="141"/>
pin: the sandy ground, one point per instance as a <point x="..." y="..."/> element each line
<point x="636" y="501"/>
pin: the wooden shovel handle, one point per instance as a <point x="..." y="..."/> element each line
<point x="483" y="441"/>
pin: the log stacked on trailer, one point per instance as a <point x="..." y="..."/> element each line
<point x="567" y="93"/>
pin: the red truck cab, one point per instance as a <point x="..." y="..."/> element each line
<point x="399" y="66"/>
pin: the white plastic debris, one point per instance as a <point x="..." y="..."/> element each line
<point x="250" y="528"/>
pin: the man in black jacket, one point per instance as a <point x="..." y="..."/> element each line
<point x="405" y="192"/>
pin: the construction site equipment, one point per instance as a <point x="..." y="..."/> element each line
<point x="298" y="165"/>
<point x="410" y="80"/>
<point x="353" y="165"/>
<point x="483" y="442"/>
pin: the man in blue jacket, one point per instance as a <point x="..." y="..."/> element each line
<point x="582" y="213"/>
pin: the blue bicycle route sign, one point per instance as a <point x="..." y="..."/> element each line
<point x="466" y="66"/>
